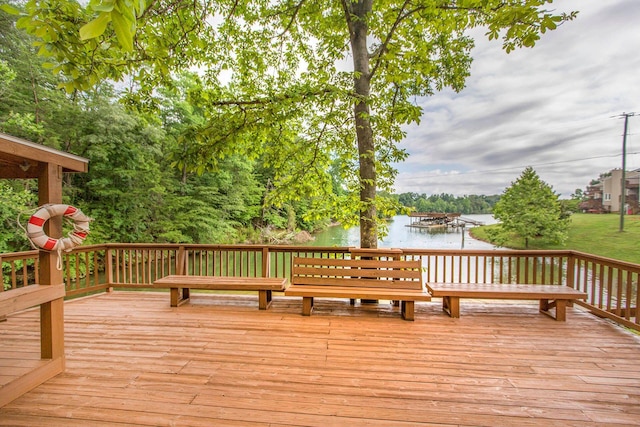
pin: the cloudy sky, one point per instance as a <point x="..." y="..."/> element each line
<point x="549" y="107"/>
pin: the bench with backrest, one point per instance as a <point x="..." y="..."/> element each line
<point x="550" y="296"/>
<point x="180" y="285"/>
<point x="377" y="279"/>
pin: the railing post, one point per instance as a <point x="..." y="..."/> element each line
<point x="266" y="264"/>
<point x="108" y="267"/>
<point x="51" y="313"/>
<point x="2" y="318"/>
<point x="571" y="266"/>
<point x="181" y="261"/>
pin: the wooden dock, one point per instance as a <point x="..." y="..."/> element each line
<point x="439" y="220"/>
<point x="134" y="360"/>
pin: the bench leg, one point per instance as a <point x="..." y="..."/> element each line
<point x="407" y="309"/>
<point x="451" y="306"/>
<point x="561" y="310"/>
<point x="179" y="296"/>
<point x="560" y="306"/>
<point x="307" y="306"/>
<point x="264" y="299"/>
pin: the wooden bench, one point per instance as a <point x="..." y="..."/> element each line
<point x="386" y="279"/>
<point x="550" y="296"/>
<point x="181" y="284"/>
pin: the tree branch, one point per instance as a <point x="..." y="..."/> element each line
<point x="266" y="101"/>
<point x="347" y="15"/>
<point x="296" y="9"/>
<point x="377" y="56"/>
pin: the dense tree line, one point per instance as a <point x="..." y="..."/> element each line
<point x="468" y="204"/>
<point x="141" y="185"/>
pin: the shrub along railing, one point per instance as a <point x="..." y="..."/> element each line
<point x="612" y="285"/>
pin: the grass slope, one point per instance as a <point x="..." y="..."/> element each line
<point x="594" y="234"/>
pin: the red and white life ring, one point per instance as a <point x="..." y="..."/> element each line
<point x="37" y="235"/>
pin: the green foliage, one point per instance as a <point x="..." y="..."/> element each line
<point x="7" y="75"/>
<point x="272" y="88"/>
<point x="16" y="197"/>
<point x="530" y="209"/>
<point x="141" y="185"/>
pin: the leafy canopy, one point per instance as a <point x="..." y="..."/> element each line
<point x="304" y="84"/>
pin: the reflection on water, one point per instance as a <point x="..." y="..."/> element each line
<point x="401" y="236"/>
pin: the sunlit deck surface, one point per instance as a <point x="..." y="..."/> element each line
<point x="132" y="360"/>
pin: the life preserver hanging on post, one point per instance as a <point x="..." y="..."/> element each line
<point x="36" y="234"/>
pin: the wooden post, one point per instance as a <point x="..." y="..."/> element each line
<point x="108" y="267"/>
<point x="2" y="318"/>
<point x="51" y="313"/>
<point x="571" y="265"/>
<point x="181" y="261"/>
<point x="265" y="263"/>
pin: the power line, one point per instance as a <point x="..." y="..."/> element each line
<point x="522" y="167"/>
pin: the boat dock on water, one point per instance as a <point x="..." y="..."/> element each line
<point x="440" y="220"/>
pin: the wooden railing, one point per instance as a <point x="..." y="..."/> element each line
<point x="18" y="269"/>
<point x="612" y="285"/>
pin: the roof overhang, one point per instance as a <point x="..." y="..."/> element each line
<point x="20" y="158"/>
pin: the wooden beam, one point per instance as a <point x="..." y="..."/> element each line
<point x="46" y="370"/>
<point x="16" y="172"/>
<point x="51" y="313"/>
<point x="24" y="150"/>
<point x="15" y="300"/>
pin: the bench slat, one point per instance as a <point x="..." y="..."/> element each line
<point x="357" y="282"/>
<point x="357" y="292"/>
<point x="357" y="272"/>
<point x="550" y="296"/>
<point x="222" y="283"/>
<point x="357" y="263"/>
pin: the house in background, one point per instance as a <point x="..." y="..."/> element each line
<point x="605" y="193"/>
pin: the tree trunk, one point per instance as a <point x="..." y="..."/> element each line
<point x="366" y="148"/>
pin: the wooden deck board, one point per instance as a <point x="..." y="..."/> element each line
<point x="132" y="360"/>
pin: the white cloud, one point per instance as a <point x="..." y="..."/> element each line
<point x="549" y="107"/>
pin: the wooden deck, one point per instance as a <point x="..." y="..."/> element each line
<point x="133" y="360"/>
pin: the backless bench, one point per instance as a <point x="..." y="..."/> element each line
<point x="181" y="284"/>
<point x="550" y="296"/>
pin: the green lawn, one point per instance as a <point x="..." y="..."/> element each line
<point x="591" y="233"/>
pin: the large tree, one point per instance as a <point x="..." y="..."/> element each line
<point x="530" y="209"/>
<point x="300" y="82"/>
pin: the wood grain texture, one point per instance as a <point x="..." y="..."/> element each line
<point x="364" y="279"/>
<point x="133" y="360"/>
<point x="504" y="291"/>
<point x="550" y="296"/>
<point x="180" y="286"/>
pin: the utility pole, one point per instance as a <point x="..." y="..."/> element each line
<point x="623" y="183"/>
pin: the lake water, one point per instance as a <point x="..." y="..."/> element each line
<point x="401" y="236"/>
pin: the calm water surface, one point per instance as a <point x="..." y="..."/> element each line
<point x="401" y="236"/>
